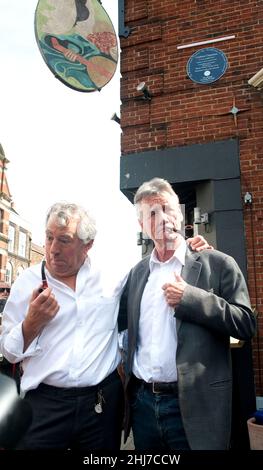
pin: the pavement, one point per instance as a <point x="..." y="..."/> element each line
<point x="129" y="445"/>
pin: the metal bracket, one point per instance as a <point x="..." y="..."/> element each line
<point x="124" y="31"/>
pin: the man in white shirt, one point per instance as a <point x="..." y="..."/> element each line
<point x="65" y="332"/>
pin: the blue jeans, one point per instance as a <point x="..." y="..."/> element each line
<point x="156" y="421"/>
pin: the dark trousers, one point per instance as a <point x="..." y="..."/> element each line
<point x="156" y="421"/>
<point x="66" y="418"/>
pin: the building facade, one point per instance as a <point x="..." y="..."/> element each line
<point x="37" y="253"/>
<point x="17" y="251"/>
<point x="19" y="245"/>
<point x="5" y="204"/>
<point x="196" y="121"/>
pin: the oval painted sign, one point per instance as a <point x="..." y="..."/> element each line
<point x="77" y="41"/>
<point x="206" y="65"/>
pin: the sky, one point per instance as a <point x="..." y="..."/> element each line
<point x="61" y="143"/>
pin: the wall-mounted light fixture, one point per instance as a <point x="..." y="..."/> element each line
<point x="204" y="218"/>
<point x="200" y="218"/>
<point x="197" y="215"/>
<point x="248" y="198"/>
<point x="257" y="80"/>
<point x="142" y="87"/>
<point x="115" y="118"/>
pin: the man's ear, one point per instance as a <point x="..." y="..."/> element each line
<point x="89" y="245"/>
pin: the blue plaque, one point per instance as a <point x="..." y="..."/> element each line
<point x="206" y="65"/>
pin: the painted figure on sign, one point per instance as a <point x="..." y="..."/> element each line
<point x="77" y="41"/>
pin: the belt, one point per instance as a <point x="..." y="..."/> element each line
<point x="157" y="387"/>
<point x="77" y="391"/>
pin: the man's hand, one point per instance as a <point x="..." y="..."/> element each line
<point x="199" y="243"/>
<point x="174" y="291"/>
<point x="42" y="308"/>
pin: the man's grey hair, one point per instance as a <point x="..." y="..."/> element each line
<point x="64" y="212"/>
<point x="151" y="188"/>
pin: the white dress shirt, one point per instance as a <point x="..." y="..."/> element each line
<point x="79" y="346"/>
<point x="155" y="355"/>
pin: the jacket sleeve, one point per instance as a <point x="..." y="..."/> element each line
<point x="220" y="300"/>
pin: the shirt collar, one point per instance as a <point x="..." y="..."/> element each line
<point x="179" y="254"/>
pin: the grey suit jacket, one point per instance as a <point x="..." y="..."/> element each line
<point x="215" y="306"/>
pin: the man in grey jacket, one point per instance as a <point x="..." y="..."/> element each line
<point x="182" y="308"/>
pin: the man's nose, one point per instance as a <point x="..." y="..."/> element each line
<point x="54" y="248"/>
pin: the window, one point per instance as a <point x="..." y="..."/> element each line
<point x="9" y="273"/>
<point x="19" y="271"/>
<point x="1" y="220"/>
<point x="11" y="238"/>
<point x="22" y="244"/>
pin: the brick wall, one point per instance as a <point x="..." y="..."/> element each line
<point x="182" y="112"/>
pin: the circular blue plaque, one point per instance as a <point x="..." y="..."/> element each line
<point x="206" y="65"/>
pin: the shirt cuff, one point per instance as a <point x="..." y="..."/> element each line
<point x="14" y="345"/>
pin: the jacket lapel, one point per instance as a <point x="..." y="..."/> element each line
<point x="141" y="276"/>
<point x="192" y="268"/>
<point x="190" y="273"/>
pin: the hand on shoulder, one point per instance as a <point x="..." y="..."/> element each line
<point x="199" y="243"/>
